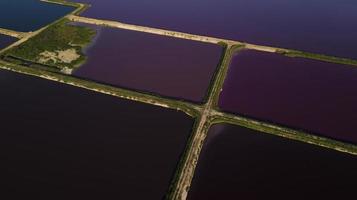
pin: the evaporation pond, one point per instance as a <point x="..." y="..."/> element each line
<point x="239" y="163"/>
<point x="314" y="96"/>
<point x="29" y="15"/>
<point x="319" y="26"/>
<point x="62" y="142"/>
<point x="6" y="41"/>
<point x="156" y="64"/>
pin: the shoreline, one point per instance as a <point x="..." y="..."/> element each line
<point x="14" y="34"/>
<point x="213" y="40"/>
<point x="206" y="115"/>
<point x="105" y="89"/>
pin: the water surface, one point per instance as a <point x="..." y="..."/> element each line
<point x="239" y="163"/>
<point x="306" y="94"/>
<point x="62" y="142"/>
<point x="320" y="26"/>
<point x="6" y="41"/>
<point x="29" y="15"/>
<point x="161" y="65"/>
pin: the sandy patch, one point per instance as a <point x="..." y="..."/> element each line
<point x="67" y="70"/>
<point x="64" y="56"/>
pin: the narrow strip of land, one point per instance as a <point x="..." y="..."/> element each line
<point x="188" y="108"/>
<point x="210" y="115"/>
<point x="23" y="39"/>
<point x="206" y="115"/>
<point x="26" y="36"/>
<point x="221" y="117"/>
<point x="194" y="148"/>
<point x="80" y="7"/>
<point x="169" y="33"/>
<point x="115" y="24"/>
<point x="15" y="34"/>
<point x="208" y="39"/>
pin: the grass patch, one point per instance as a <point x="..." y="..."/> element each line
<point x="58" y="37"/>
<point x="221" y="74"/>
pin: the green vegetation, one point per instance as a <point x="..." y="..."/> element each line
<point x="222" y="71"/>
<point x="61" y="36"/>
<point x="182" y="161"/>
<point x="217" y="71"/>
<point x="59" y="46"/>
<point x="294" y="53"/>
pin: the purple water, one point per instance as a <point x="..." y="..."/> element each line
<point x="161" y="65"/>
<point x="306" y="94"/>
<point x="62" y="142"/>
<point x="239" y="163"/>
<point x="6" y="41"/>
<point x="320" y="26"/>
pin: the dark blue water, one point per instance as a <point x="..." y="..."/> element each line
<point x="320" y="26"/>
<point x="62" y="142"/>
<point x="29" y="15"/>
<point x="6" y="41"/>
<point x="239" y="163"/>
